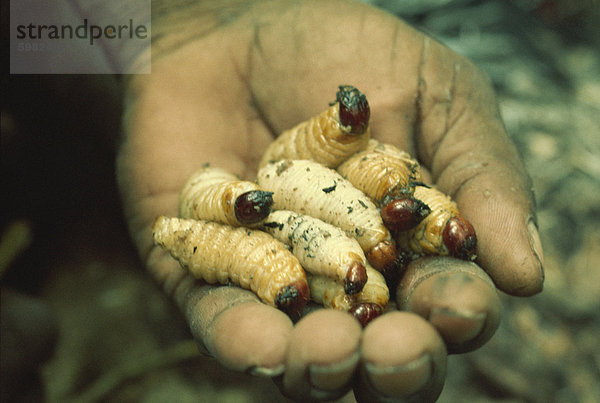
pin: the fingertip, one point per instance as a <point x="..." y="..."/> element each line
<point x="508" y="243"/>
<point x="322" y="355"/>
<point x="456" y="297"/>
<point x="528" y="284"/>
<point x="249" y="336"/>
<point x="458" y="330"/>
<point x="532" y="280"/>
<point x="403" y="356"/>
<point x="509" y="256"/>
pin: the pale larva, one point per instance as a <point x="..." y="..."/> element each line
<point x="443" y="232"/>
<point x="321" y="248"/>
<point x="388" y="176"/>
<point x="214" y="194"/>
<point x="252" y="259"/>
<point x="307" y="187"/>
<point x="372" y="300"/>
<point x="328" y="138"/>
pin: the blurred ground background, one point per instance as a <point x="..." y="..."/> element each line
<point x="117" y="338"/>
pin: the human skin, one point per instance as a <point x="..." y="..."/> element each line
<point x="227" y="77"/>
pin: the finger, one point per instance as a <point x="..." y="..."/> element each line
<point x="322" y="356"/>
<point x="455" y="296"/>
<point x="463" y="143"/>
<point x="403" y="357"/>
<point x="223" y="320"/>
<point x="229" y="323"/>
<point x="239" y="331"/>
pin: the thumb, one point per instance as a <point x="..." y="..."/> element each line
<point x="464" y="144"/>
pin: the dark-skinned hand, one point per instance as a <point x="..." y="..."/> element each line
<point x="227" y="77"/>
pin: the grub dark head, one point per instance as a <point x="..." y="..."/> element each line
<point x="354" y="109"/>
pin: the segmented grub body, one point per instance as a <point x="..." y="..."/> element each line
<point x="252" y="259"/>
<point x="382" y="171"/>
<point x="309" y="188"/>
<point x="320" y="247"/>
<point x="328" y="138"/>
<point x="331" y="294"/>
<point x="443" y="232"/>
<point x="214" y="194"/>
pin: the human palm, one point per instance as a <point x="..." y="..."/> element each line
<point x="221" y="97"/>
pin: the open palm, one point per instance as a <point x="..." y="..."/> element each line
<point x="222" y="95"/>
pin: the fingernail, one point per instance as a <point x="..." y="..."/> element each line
<point x="267" y="372"/>
<point x="400" y="380"/>
<point x="457" y="327"/>
<point x="326" y="395"/>
<point x="333" y="377"/>
<point x="536" y="243"/>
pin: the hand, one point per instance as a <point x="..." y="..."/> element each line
<point x="225" y="80"/>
